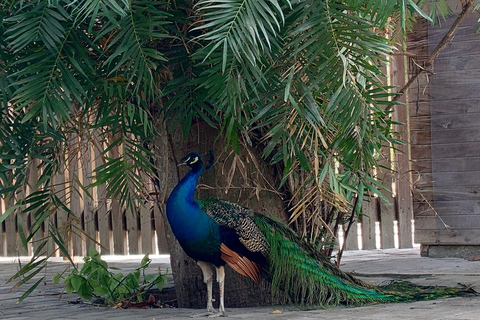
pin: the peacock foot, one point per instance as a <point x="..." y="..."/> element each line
<point x="204" y="314"/>
<point x="210" y="314"/>
<point x="218" y="314"/>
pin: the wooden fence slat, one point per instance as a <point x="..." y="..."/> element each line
<point x="38" y="237"/>
<point x="163" y="156"/>
<point x="369" y="209"/>
<point x="2" y="231"/>
<point x="132" y="232"/>
<point x="88" y="212"/>
<point x="387" y="209"/>
<point x="404" y="197"/>
<point x="402" y="159"/>
<point x="10" y="228"/>
<point x="146" y="215"/>
<point x="160" y="229"/>
<point x="387" y="218"/>
<point x="119" y="236"/>
<point x="76" y="221"/>
<point x="75" y="203"/>
<point x="104" y="227"/>
<point x="146" y="229"/>
<point x="24" y="220"/>
<point x="49" y="225"/>
<point x="352" y="239"/>
<point x="62" y="223"/>
<point x="103" y="215"/>
<point x="119" y="229"/>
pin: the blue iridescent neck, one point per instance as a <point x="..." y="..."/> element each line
<point x="188" y="184"/>
<point x="186" y="218"/>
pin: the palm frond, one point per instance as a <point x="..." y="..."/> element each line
<point x="238" y="29"/>
<point x="132" y="58"/>
<point x="121" y="173"/>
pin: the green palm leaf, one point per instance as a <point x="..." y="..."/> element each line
<point x="134" y="58"/>
<point x="238" y="28"/>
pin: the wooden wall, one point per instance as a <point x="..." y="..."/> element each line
<point x="444" y="108"/>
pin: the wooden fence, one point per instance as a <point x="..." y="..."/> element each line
<point x="116" y="231"/>
<point x="96" y="221"/>
<point x="113" y="230"/>
<point x="120" y="232"/>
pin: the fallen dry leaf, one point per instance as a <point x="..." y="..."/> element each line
<point x="276" y="312"/>
<point x="474" y="259"/>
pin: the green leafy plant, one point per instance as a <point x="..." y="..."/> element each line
<point x="95" y="280"/>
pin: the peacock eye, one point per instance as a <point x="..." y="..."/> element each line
<point x="193" y="160"/>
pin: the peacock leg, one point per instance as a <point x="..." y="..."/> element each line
<point x="208" y="279"/>
<point x="221" y="286"/>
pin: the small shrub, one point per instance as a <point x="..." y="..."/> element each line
<point x="95" y="280"/>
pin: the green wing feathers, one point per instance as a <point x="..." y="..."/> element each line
<point x="239" y="218"/>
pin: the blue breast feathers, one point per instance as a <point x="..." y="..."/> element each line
<point x="188" y="221"/>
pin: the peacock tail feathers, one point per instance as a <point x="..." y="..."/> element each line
<point x="301" y="275"/>
<point x="407" y="291"/>
<point x="304" y="277"/>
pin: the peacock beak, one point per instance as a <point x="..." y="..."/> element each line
<point x="183" y="161"/>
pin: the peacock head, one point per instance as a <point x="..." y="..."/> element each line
<point x="194" y="160"/>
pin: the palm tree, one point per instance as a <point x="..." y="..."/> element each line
<point x="298" y="82"/>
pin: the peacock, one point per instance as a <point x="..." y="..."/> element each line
<point x="219" y="232"/>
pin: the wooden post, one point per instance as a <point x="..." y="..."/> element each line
<point x="402" y="160"/>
